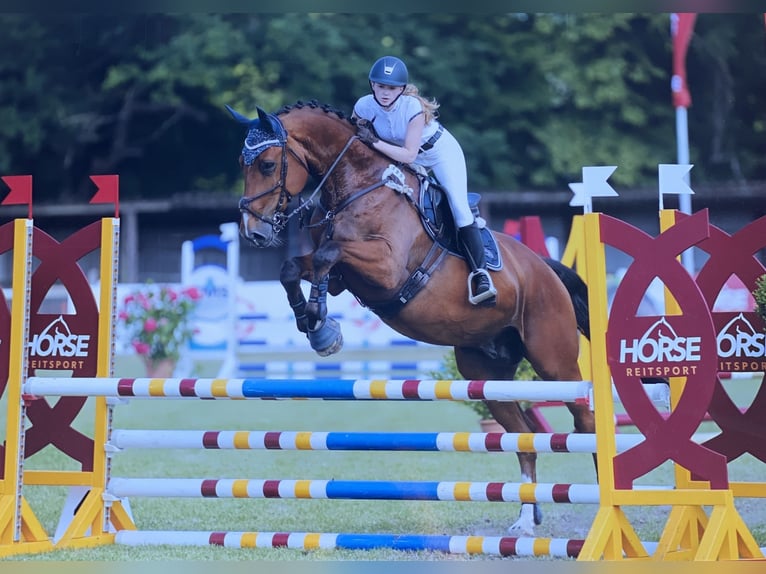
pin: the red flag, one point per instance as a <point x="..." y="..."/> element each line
<point x="21" y="190"/>
<point x="681" y="29"/>
<point x="108" y="190"/>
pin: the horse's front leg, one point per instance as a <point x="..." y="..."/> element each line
<point x="290" y="275"/>
<point x="323" y="332"/>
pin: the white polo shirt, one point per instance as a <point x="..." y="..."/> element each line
<point x="391" y="125"/>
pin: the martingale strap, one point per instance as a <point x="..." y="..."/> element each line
<point x="412" y="286"/>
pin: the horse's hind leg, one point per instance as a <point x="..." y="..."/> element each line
<point x="475" y="364"/>
<point x="553" y="356"/>
<point x="560" y="365"/>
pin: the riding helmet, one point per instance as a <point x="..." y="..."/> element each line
<point x="389" y="71"/>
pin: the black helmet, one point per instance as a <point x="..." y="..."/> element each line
<point x="389" y="71"/>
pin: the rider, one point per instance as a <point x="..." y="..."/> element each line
<point x="402" y="124"/>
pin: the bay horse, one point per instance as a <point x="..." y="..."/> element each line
<point x="370" y="238"/>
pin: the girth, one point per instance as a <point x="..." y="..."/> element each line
<point x="414" y="284"/>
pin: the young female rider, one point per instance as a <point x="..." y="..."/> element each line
<point x="395" y="120"/>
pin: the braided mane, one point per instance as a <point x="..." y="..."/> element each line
<point x="314" y="104"/>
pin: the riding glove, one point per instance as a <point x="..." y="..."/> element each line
<point x="365" y="131"/>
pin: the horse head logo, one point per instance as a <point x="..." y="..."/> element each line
<point x="57" y="327"/>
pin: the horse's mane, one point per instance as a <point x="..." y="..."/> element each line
<point x="314" y="104"/>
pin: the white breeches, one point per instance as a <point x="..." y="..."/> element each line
<point x="447" y="162"/>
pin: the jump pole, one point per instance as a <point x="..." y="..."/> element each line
<point x="491" y="545"/>
<point x="123" y="439"/>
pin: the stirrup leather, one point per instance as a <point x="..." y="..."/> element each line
<point x="475" y="299"/>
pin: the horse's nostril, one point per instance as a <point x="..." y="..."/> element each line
<point x="255" y="237"/>
<point x="249" y="233"/>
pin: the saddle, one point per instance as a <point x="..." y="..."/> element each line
<point x="438" y="221"/>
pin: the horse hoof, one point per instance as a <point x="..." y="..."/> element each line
<point x="336" y="346"/>
<point x="327" y="338"/>
<point x="520" y="527"/>
<point x="528" y="518"/>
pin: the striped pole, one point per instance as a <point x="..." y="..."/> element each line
<point x="364" y="441"/>
<point x="327" y="389"/>
<point x="404" y="389"/>
<point x="354" y="490"/>
<point x="492" y="545"/>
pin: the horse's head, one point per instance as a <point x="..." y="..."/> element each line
<point x="269" y="184"/>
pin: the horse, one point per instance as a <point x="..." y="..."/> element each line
<point x="366" y="221"/>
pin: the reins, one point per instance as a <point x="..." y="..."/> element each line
<point x="309" y="202"/>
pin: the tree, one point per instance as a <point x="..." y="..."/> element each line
<point x="532" y="97"/>
<point x="727" y="121"/>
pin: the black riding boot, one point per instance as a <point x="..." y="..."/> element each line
<point x="480" y="286"/>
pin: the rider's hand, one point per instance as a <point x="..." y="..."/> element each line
<point x="365" y="131"/>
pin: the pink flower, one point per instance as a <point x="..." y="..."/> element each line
<point x="192" y="293"/>
<point x="157" y="319"/>
<point x="141" y="348"/>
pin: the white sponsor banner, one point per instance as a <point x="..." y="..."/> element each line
<point x="265" y="319"/>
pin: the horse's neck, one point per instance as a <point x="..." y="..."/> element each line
<point x="357" y="186"/>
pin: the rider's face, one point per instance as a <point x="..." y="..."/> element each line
<point x="386" y="95"/>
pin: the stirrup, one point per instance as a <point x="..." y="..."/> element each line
<point x="475" y="299"/>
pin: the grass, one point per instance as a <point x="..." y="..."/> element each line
<point x="457" y="518"/>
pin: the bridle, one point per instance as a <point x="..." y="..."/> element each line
<point x="279" y="219"/>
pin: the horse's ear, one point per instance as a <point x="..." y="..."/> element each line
<point x="269" y="122"/>
<point x="239" y="117"/>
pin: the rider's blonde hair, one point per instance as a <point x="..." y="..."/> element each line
<point x="430" y="107"/>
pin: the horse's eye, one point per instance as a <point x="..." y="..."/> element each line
<point x="267" y="167"/>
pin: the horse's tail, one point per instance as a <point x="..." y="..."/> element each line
<point x="578" y="291"/>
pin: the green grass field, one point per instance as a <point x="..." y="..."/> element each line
<point x="457" y="518"/>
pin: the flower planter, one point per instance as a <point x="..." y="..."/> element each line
<point x="159" y="368"/>
<point x="490" y="425"/>
<point x="158" y="319"/>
